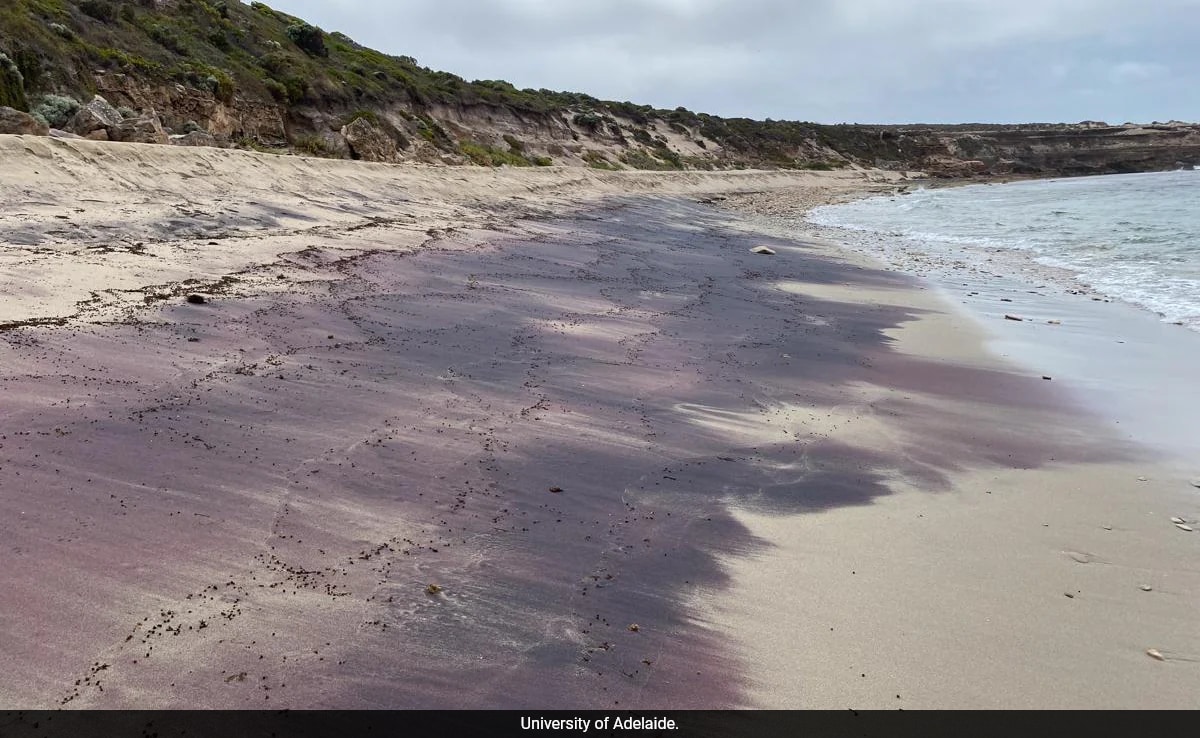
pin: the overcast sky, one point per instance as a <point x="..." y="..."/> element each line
<point x="885" y="61"/>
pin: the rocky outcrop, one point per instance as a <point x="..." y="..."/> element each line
<point x="94" y="116"/>
<point x="194" y="138"/>
<point x="240" y="118"/>
<point x="55" y="133"/>
<point x="145" y="128"/>
<point x="369" y="142"/>
<point x="23" y="124"/>
<point x="1089" y="147"/>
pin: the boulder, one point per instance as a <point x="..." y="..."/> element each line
<point x="368" y="141"/>
<point x="100" y="135"/>
<point x="146" y="128"/>
<point x="22" y="124"/>
<point x="95" y="115"/>
<point x="195" y="138"/>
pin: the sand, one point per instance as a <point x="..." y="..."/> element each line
<point x="643" y="466"/>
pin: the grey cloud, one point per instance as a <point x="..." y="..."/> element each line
<point x="827" y="60"/>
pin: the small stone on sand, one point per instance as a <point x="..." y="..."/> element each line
<point x="765" y="251"/>
<point x="1177" y="520"/>
<point x="196" y="299"/>
<point x="1013" y="317"/>
<point x="1146" y="588"/>
<point x="1185" y="528"/>
<point x="1196" y="482"/>
<point x="1054" y="322"/>
<point x="1154" y="654"/>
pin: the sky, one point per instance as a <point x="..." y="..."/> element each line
<point x="828" y="61"/>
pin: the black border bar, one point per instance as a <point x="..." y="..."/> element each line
<point x="553" y="724"/>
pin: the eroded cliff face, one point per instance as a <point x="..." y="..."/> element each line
<point x="1068" y="150"/>
<point x="240" y="119"/>
<point x="496" y="135"/>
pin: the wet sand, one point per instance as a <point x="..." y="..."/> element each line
<point x="632" y="457"/>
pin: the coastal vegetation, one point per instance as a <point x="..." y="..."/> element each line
<point x="260" y="62"/>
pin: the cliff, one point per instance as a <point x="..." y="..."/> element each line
<point x="221" y="72"/>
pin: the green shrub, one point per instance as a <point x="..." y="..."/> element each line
<point x="314" y="146"/>
<point x="127" y="61"/>
<point x="434" y="133"/>
<point x="368" y="115"/>
<point x="219" y="40"/>
<point x="659" y="158"/>
<point x="309" y="38"/>
<point x="513" y="143"/>
<point x="670" y="156"/>
<point x="296" y="89"/>
<point x="588" y="120"/>
<point x="222" y="8"/>
<point x="60" y="30"/>
<point x="489" y="157"/>
<point x="543" y="161"/>
<point x="168" y="38"/>
<point x="278" y="90"/>
<point x="596" y="160"/>
<point x="56" y="110"/>
<point x="12" y="84"/>
<point x="277" y="63"/>
<point x="101" y="10"/>
<point x="221" y="85"/>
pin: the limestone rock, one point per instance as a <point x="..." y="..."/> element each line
<point x="146" y="128"/>
<point x="97" y="114"/>
<point x="195" y="138"/>
<point x="22" y="124"/>
<point x="55" y="133"/>
<point x="368" y="141"/>
<point x="100" y="135"/>
<point x="763" y="250"/>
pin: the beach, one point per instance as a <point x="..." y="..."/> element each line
<point x="455" y="437"/>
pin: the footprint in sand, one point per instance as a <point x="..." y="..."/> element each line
<point x="1084" y="558"/>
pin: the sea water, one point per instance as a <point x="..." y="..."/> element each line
<point x="1130" y="237"/>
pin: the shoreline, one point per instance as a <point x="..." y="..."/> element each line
<point x="1113" y="355"/>
<point x="945" y="266"/>
<point x="615" y="440"/>
<point x="1056" y="522"/>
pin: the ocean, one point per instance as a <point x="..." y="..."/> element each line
<point x="1129" y="237"/>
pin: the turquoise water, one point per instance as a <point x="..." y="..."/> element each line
<point x="1132" y="237"/>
